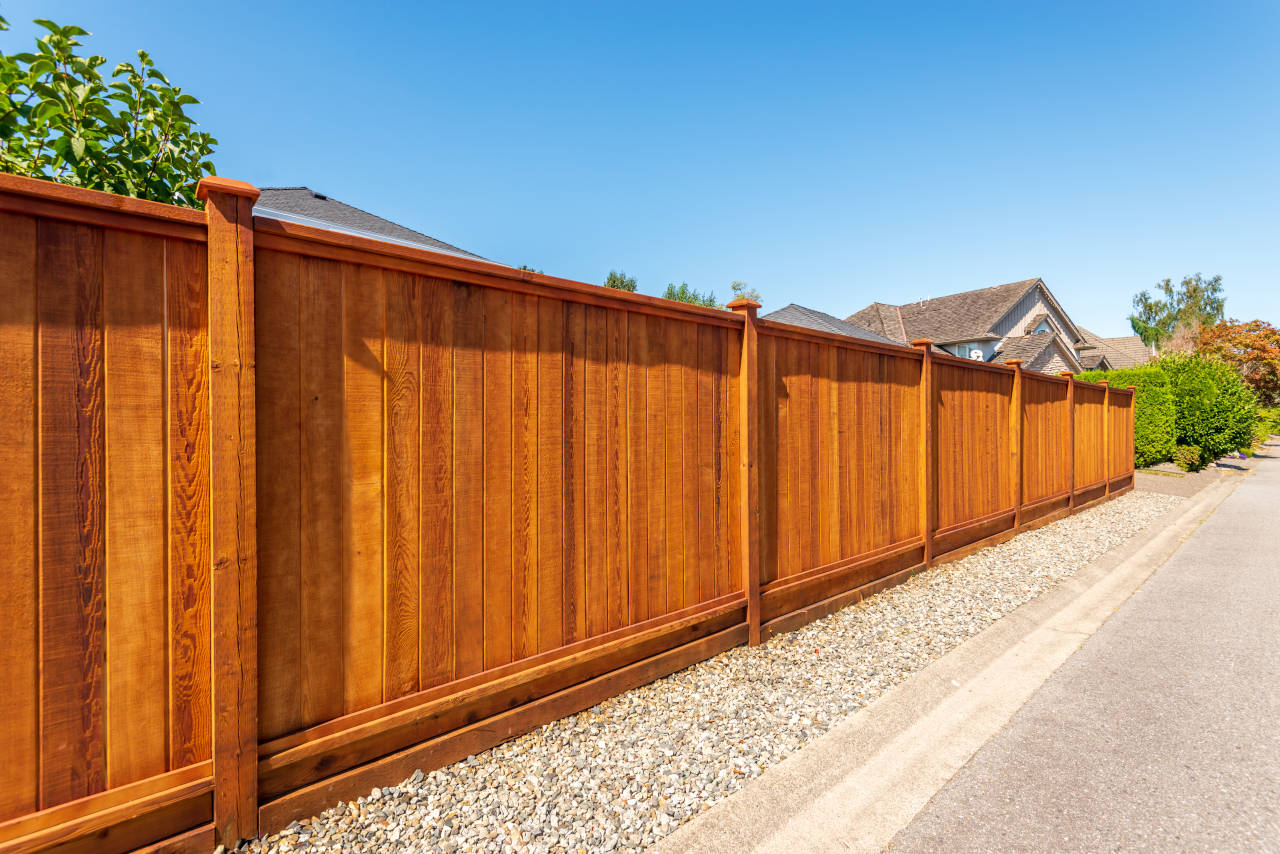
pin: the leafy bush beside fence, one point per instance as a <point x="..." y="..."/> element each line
<point x="1214" y="408"/>
<point x="1154" y="415"/>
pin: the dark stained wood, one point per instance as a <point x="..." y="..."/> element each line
<point x="72" y="528"/>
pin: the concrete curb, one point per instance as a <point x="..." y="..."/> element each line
<point x="856" y="786"/>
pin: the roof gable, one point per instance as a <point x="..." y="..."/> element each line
<point x="966" y="316"/>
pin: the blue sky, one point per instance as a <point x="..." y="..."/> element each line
<point x="831" y="155"/>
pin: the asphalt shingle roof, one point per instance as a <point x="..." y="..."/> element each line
<point x="966" y="316"/>
<point x="798" y="315"/>
<point x="1127" y="351"/>
<point x="306" y="204"/>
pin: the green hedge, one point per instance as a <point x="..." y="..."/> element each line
<point x="1215" y="409"/>
<point x="1153" y="416"/>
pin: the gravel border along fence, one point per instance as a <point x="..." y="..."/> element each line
<point x="630" y="770"/>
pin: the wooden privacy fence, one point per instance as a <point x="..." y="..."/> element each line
<point x="287" y="514"/>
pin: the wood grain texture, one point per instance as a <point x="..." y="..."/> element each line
<point x="321" y="355"/>
<point x="402" y="475"/>
<point x="596" y="463"/>
<point x="655" y="556"/>
<point x="574" y="613"/>
<point x="524" y="485"/>
<point x="468" y="481"/>
<point x="617" y="519"/>
<point x="280" y="593"/>
<point x="551" y="378"/>
<point x="136" y="695"/>
<point x="437" y="606"/>
<point x="19" y="542"/>
<point x="72" y="529"/>
<point x="363" y="324"/>
<point x="497" y="424"/>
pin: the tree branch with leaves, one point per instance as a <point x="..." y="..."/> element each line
<point x="128" y="133"/>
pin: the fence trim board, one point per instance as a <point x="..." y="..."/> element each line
<point x="297" y="239"/>
<point x="778" y="329"/>
<point x="482" y="735"/>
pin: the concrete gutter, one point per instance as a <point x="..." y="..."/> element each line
<point x="855" y="787"/>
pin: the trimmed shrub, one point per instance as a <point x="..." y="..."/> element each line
<point x="1214" y="408"/>
<point x="1153" y="413"/>
<point x="1188" y="458"/>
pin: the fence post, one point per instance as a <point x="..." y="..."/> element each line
<point x="928" y="462"/>
<point x="1133" y="416"/>
<point x="748" y="408"/>
<point x="1071" y="437"/>
<point x="233" y="488"/>
<point x="1106" y="436"/>
<point x="1015" y="438"/>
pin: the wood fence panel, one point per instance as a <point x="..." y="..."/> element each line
<point x="1045" y="441"/>
<point x="973" y="429"/>
<point x="1120" y="433"/>
<point x="1089" y="437"/>
<point x="104" y="514"/>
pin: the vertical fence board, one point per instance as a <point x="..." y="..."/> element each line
<point x="189" y="520"/>
<point x="597" y="586"/>
<point x="575" y="520"/>
<point x="616" y="471"/>
<point x="524" y="450"/>
<point x="551" y="371"/>
<point x="402" y="477"/>
<point x="655" y="468"/>
<point x="19" y="595"/>
<point x="436" y="578"/>
<point x="136" y="710"/>
<point x="72" y="601"/>
<point x="320" y="348"/>
<point x="363" y="327"/>
<point x="468" y="481"/>
<point x="280" y="592"/>
<point x="637" y="471"/>
<point x="496" y="430"/>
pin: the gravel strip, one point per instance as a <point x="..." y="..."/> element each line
<point x="629" y="771"/>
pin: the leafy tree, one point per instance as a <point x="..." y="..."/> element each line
<point x="62" y="120"/>
<point x="684" y="293"/>
<point x="1252" y="348"/>
<point x="620" y="281"/>
<point x="741" y="290"/>
<point x="1154" y="415"/>
<point x="1192" y="303"/>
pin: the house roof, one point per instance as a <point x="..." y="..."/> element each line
<point x="1028" y="348"/>
<point x="799" y="315"/>
<point x="307" y="207"/>
<point x="1126" y="351"/>
<point x="967" y="316"/>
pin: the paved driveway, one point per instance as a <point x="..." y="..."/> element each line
<point x="1163" y="732"/>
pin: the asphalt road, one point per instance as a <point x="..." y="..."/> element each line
<point x="1162" y="733"/>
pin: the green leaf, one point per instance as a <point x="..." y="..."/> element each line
<point x="77" y="147"/>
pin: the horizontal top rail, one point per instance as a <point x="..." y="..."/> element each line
<point x="290" y="237"/>
<point x="948" y="359"/>
<point x="787" y="330"/>
<point x="1086" y="384"/>
<point x="1040" y="376"/>
<point x="35" y="197"/>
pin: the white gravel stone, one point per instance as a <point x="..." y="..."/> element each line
<point x="627" y="772"/>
